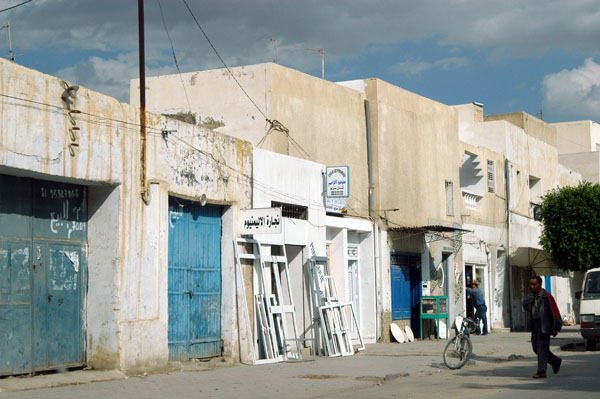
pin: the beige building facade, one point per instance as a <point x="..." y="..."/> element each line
<point x="520" y="152"/>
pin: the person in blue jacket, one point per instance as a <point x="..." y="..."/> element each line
<point x="480" y="308"/>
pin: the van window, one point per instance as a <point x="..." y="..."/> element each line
<point x="592" y="285"/>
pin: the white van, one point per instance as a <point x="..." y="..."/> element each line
<point x="589" y="310"/>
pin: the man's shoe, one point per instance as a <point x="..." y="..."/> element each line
<point x="484" y="333"/>
<point x="556" y="367"/>
<point x="539" y="375"/>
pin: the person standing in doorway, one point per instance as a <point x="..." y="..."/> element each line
<point x="545" y="320"/>
<point x="480" y="308"/>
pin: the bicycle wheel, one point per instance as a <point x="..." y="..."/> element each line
<point x="457" y="352"/>
<point x="471" y="326"/>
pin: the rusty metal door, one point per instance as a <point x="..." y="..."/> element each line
<point x="43" y="241"/>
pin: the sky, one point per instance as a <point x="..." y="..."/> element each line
<point x="533" y="56"/>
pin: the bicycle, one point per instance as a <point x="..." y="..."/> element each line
<point x="458" y="350"/>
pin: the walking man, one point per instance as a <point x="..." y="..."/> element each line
<point x="480" y="308"/>
<point x="545" y="320"/>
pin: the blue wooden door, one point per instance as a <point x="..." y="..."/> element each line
<point x="194" y="280"/>
<point x="406" y="288"/>
<point x="400" y="292"/>
<point x="43" y="235"/>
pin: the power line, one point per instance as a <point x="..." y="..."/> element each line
<point x="18" y="5"/>
<point x="260" y="186"/>
<point x="222" y="61"/>
<point x="174" y="57"/>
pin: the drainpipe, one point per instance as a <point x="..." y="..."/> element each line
<point x="376" y="248"/>
<point x="507" y="175"/>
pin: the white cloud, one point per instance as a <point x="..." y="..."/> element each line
<point x="109" y="76"/>
<point x="574" y="93"/>
<point x="411" y="67"/>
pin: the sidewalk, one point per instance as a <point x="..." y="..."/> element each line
<point x="378" y="363"/>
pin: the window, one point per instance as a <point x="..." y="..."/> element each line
<point x="449" y="198"/>
<point x="490" y="177"/>
<point x="291" y="211"/>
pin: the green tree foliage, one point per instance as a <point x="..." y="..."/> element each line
<point x="571" y="219"/>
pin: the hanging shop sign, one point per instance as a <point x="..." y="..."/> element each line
<point x="337" y="206"/>
<point x="337" y="179"/>
<point x="261" y="221"/>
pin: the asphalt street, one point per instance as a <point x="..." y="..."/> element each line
<point x="501" y="367"/>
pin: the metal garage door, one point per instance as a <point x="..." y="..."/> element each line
<point x="43" y="233"/>
<point x="194" y="280"/>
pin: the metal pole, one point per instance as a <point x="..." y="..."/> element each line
<point x="322" y="63"/>
<point x="12" y="57"/>
<point x="7" y="26"/>
<point x="508" y="239"/>
<point x="144" y="188"/>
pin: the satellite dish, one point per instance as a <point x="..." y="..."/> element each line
<point x="409" y="334"/>
<point x="203" y="200"/>
<point x="397" y="333"/>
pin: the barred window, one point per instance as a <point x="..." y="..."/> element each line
<point x="291" y="210"/>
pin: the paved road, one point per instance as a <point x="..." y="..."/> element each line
<point x="383" y="371"/>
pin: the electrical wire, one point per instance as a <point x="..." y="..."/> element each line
<point x="274" y="124"/>
<point x="174" y="56"/>
<point x="156" y="131"/>
<point x="222" y="61"/>
<point x="18" y="5"/>
<point x="263" y="187"/>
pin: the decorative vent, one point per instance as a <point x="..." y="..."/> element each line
<point x="490" y="176"/>
<point x="291" y="210"/>
<point x="471" y="200"/>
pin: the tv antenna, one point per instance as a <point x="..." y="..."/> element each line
<point x="7" y="27"/>
<point x="322" y="52"/>
<point x="540" y="114"/>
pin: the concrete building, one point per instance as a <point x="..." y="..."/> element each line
<point x="407" y="186"/>
<point x="297" y="186"/>
<point x="578" y="146"/>
<point x="92" y="272"/>
<point x="521" y="161"/>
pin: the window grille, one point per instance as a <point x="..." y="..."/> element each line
<point x="291" y="210"/>
<point x="490" y="176"/>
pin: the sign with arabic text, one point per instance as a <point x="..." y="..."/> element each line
<point x="337" y="179"/>
<point x="261" y="221"/>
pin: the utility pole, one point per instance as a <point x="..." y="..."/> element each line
<point x="143" y="179"/>
<point x="322" y="52"/>
<point x="7" y="27"/>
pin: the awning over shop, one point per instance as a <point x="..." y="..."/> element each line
<point x="538" y="259"/>
<point x="436" y="232"/>
<point x="427" y="229"/>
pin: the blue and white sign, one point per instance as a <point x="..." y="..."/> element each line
<point x="337" y="179"/>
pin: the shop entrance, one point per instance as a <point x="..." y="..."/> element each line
<point x="43" y="242"/>
<point x="406" y="289"/>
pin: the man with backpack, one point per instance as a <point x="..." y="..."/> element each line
<point x="545" y="320"/>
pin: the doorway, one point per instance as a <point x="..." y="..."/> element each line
<point x="406" y="280"/>
<point x="43" y="274"/>
<point x="194" y="293"/>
